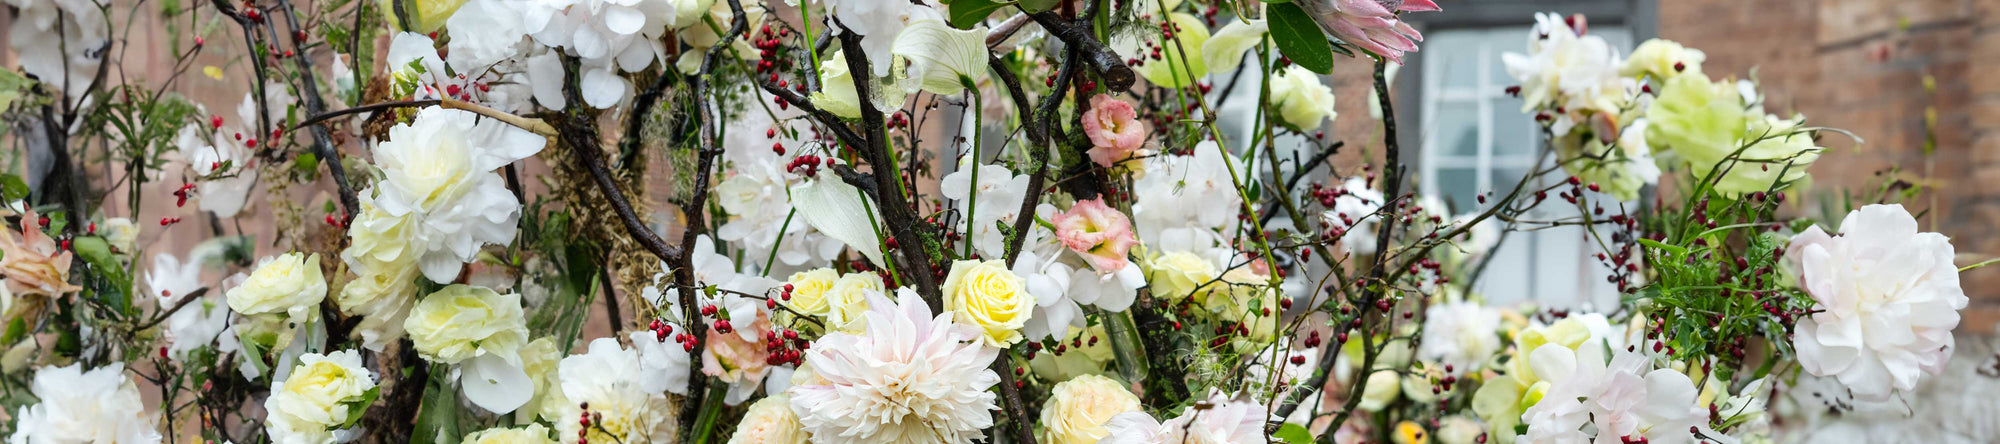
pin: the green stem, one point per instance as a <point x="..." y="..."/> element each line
<point x="1125" y="345"/>
<point x="711" y="407"/>
<point x="972" y="196"/>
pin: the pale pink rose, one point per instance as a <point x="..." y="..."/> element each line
<point x="731" y="358"/>
<point x="1102" y="235"/>
<point x="33" y="264"/>
<point x="1114" y="128"/>
<point x="1370" y="24"/>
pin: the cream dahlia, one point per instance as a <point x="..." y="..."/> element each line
<point x="913" y="378"/>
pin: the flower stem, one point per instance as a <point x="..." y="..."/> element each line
<point x="711" y="407"/>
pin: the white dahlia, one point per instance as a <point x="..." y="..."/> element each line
<point x="438" y="170"/>
<point x="1889" y="297"/>
<point x="914" y="378"/>
<point x="1221" y="421"/>
<point x="99" y="405"/>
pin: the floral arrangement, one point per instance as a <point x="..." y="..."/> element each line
<point x="856" y="221"/>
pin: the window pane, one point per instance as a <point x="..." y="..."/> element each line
<point x="1514" y="132"/>
<point x="1457" y="129"/>
<point x="1459" y="185"/>
<point x="1455" y="57"/>
<point x="1501" y="41"/>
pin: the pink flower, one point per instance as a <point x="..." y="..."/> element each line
<point x="1370" y="24"/>
<point x="34" y="264"/>
<point x="1114" y="128"/>
<point x="1101" y="234"/>
<point x="735" y="360"/>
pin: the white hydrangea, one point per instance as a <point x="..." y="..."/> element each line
<point x="438" y="171"/>
<point x="77" y="406"/>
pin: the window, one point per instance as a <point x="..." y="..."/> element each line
<point x="1475" y="139"/>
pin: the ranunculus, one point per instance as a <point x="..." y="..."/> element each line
<point x="77" y="406"/>
<point x="1663" y="59"/>
<point x="1078" y="409"/>
<point x="770" y="421"/>
<point x="847" y="300"/>
<point x="1707" y="126"/>
<point x="33" y="264"/>
<point x="1300" y="99"/>
<point x="989" y="296"/>
<point x="1371" y="25"/>
<point x="1178" y="275"/>
<point x="1888" y="297"/>
<point x="809" y="290"/>
<point x="290" y="284"/>
<point x="1100" y="234"/>
<point x="461" y="322"/>
<point x="532" y="434"/>
<point x="1114" y="129"/>
<point x="323" y="392"/>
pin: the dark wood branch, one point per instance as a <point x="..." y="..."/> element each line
<point x="897" y="213"/>
<point x="841" y="131"/>
<point x="1104" y="62"/>
<point x="320" y="118"/>
<point x="322" y="140"/>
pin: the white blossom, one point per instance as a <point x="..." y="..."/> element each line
<point x="77" y="406"/>
<point x="1888" y="298"/>
<point x="912" y="378"/>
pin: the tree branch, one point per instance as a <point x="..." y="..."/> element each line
<point x="897" y="213"/>
<point x="322" y="140"/>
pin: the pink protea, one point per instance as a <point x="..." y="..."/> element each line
<point x="1102" y="235"/>
<point x="1114" y="128"/>
<point x="1370" y="24"/>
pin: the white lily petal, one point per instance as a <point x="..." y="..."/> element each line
<point x="941" y="56"/>
<point x="836" y="209"/>
<point x="495" y="385"/>
<point x="1224" y="50"/>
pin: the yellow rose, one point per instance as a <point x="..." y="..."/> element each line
<point x="770" y="421"/>
<point x="323" y="392"/>
<point x="532" y="434"/>
<point x="847" y="300"/>
<point x="463" y="321"/>
<point x="809" y="290"/>
<point x="427" y="16"/>
<point x="291" y="284"/>
<point x="1078" y="409"/>
<point x="1252" y="301"/>
<point x="989" y="296"/>
<point x="1177" y="275"/>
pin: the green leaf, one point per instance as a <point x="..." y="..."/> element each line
<point x="308" y="164"/>
<point x="1665" y="247"/>
<point x="1293" y="434"/>
<point x="96" y="252"/>
<point x="1033" y="6"/>
<point x="12" y="188"/>
<point x="966" y="14"/>
<point x="1300" y="39"/>
<point x="437" y="422"/>
<point x="356" y="407"/>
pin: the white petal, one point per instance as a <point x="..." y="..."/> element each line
<point x="835" y="208"/>
<point x="495" y="385"/>
<point x="603" y="88"/>
<point x="623" y="20"/>
<point x="941" y="55"/>
<point x="1224" y="51"/>
<point x="545" y="72"/>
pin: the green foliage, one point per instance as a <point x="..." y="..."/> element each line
<point x="968" y="13"/>
<point x="1300" y="39"/>
<point x="109" y="271"/>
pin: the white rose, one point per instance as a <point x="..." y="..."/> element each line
<point x="291" y="284"/>
<point x="991" y="297"/>
<point x="1079" y="409"/>
<point x="848" y="299"/>
<point x="323" y="392"/>
<point x="1381" y="389"/>
<point x="1300" y="99"/>
<point x="463" y="321"/>
<point x="769" y="421"/>
<point x="1888" y="298"/>
<point x="532" y="434"/>
<point x="1663" y="59"/>
<point x="121" y="233"/>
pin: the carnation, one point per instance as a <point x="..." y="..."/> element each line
<point x="912" y="377"/>
<point x="605" y="384"/>
<point x="1888" y="298"/>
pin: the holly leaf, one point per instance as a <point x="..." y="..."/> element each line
<point x="1300" y="39"/>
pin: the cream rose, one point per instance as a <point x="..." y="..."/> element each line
<point x="324" y="392"/>
<point x="847" y="299"/>
<point x="1663" y="59"/>
<point x="1301" y="99"/>
<point x="809" y="290"/>
<point x="463" y="321"/>
<point x="989" y="296"/>
<point x="770" y="421"/>
<point x="1177" y="275"/>
<point x="532" y="434"/>
<point x="291" y="284"/>
<point x="1079" y="409"/>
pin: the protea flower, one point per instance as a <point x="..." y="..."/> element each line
<point x="1370" y="24"/>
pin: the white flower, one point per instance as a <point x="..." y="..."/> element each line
<point x="77" y="406"/>
<point x="1223" y="421"/>
<point x="1193" y="191"/>
<point x="1353" y="213"/>
<point x="609" y="379"/>
<point x="197" y="324"/>
<point x="769" y="421"/>
<point x="608" y="35"/>
<point x="754" y="191"/>
<point x="713" y="268"/>
<point x="224" y="169"/>
<point x="997" y="200"/>
<point x="385" y="268"/>
<point x="1460" y="334"/>
<point x="912" y="378"/>
<point x="321" y="394"/>
<point x="663" y="364"/>
<point x="1566" y="70"/>
<point x="943" y="57"/>
<point x="61" y="42"/>
<point x="291" y="284"/>
<point x="1617" y="396"/>
<point x="1664" y="59"/>
<point x="1289" y="374"/>
<point x="461" y="322"/>
<point x="532" y="434"/>
<point x="879" y="23"/>
<point x="1301" y="99"/>
<point x="838" y="210"/>
<point x="1889" y="297"/>
<point x="484" y="33"/>
<point x="1224" y="51"/>
<point x="439" y="171"/>
<point x="1079" y="408"/>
